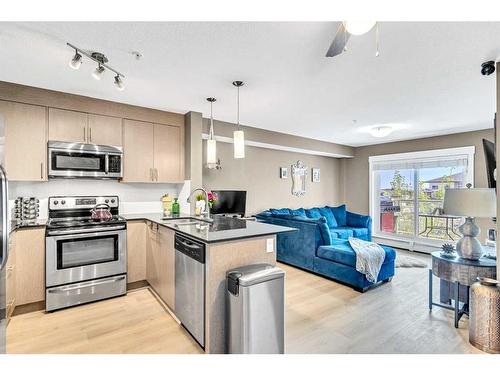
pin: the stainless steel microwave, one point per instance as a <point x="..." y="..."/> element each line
<point x="83" y="160"/>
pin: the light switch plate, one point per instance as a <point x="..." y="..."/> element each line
<point x="270" y="245"/>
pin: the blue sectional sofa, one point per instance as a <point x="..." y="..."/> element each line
<point x="321" y="243"/>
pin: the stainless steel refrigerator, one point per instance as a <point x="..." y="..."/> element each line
<point x="4" y="249"/>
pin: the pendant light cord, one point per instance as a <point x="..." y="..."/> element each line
<point x="211" y="121"/>
<point x="238" y="113"/>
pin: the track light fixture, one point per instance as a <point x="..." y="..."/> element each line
<point x="76" y="61"/>
<point x="102" y="65"/>
<point x="119" y="83"/>
<point x="98" y="72"/>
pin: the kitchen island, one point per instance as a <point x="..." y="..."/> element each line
<point x="229" y="243"/>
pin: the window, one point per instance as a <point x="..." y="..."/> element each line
<point x="407" y="192"/>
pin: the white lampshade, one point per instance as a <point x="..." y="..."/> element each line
<point x="479" y="202"/>
<point x="211" y="151"/>
<point x="239" y="144"/>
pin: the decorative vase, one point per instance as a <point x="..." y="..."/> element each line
<point x="199" y="208"/>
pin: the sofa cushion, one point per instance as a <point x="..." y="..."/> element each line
<point x="343" y="232"/>
<point x="298" y="212"/>
<point x="313" y="213"/>
<point x="356" y="232"/>
<point x="328" y="214"/>
<point x="280" y="211"/>
<point x="340" y="214"/>
<point x="357" y="220"/>
<point x="341" y="252"/>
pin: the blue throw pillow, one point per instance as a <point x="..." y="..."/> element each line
<point x="330" y="218"/>
<point x="340" y="214"/>
<point x="280" y="211"/>
<point x="325" y="231"/>
<point x="298" y="212"/>
<point x="313" y="213"/>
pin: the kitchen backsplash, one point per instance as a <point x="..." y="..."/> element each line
<point x="134" y="198"/>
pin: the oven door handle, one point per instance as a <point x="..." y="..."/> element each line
<point x="85" y="285"/>
<point x="86" y="232"/>
<point x="106" y="164"/>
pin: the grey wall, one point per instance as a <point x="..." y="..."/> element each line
<point x="356" y="178"/>
<point x="258" y="173"/>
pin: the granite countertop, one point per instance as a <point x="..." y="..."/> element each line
<point x="222" y="229"/>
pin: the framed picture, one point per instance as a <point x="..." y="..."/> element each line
<point x="283" y="172"/>
<point x="316" y="175"/>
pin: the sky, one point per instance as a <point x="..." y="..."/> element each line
<point x="425" y="174"/>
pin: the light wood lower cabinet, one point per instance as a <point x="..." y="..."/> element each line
<point x="30" y="265"/>
<point x="160" y="260"/>
<point x="136" y="251"/>
<point x="167" y="274"/>
<point x="25" y="128"/>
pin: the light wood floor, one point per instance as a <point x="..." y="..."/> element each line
<point x="321" y="317"/>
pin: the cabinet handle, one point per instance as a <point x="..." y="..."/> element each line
<point x="90" y="135"/>
<point x="156" y="174"/>
<point x="41" y="171"/>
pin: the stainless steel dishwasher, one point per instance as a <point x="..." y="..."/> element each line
<point x="190" y="285"/>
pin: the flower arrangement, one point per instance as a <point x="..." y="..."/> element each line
<point x="212" y="198"/>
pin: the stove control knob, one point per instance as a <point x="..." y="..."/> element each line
<point x="106" y="201"/>
<point x="112" y="201"/>
<point x="63" y="202"/>
<point x="56" y="203"/>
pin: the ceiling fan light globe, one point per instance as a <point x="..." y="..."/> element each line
<point x="359" y="27"/>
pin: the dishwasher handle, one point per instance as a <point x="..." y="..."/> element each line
<point x="189" y="247"/>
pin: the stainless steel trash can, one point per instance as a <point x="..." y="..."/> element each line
<point x="256" y="310"/>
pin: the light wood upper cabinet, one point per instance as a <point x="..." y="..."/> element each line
<point x="138" y="139"/>
<point x="168" y="154"/>
<point x="30" y="265"/>
<point x="68" y="126"/>
<point x="105" y="130"/>
<point x="167" y="271"/>
<point x="25" y="129"/>
<point x="136" y="251"/>
<point x="153" y="152"/>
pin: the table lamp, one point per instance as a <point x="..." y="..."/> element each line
<point x="470" y="203"/>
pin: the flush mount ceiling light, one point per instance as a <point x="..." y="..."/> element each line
<point x="358" y="27"/>
<point x="380" y="131"/>
<point x="211" y="143"/>
<point x="102" y="65"/>
<point x="238" y="134"/>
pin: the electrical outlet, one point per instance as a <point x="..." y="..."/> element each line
<point x="270" y="245"/>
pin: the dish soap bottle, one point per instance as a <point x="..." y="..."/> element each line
<point x="176" y="209"/>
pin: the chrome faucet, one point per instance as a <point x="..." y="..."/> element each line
<point x="207" y="206"/>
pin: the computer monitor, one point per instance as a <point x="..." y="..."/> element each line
<point x="231" y="202"/>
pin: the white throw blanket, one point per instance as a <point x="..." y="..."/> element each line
<point x="369" y="258"/>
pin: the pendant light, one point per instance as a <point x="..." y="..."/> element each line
<point x="238" y="134"/>
<point x="211" y="143"/>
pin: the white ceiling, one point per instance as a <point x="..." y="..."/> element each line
<point x="427" y="78"/>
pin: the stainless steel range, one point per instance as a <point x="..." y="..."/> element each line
<point x="86" y="258"/>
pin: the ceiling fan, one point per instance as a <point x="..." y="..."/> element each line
<point x="344" y="32"/>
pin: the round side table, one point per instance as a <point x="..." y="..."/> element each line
<point x="459" y="272"/>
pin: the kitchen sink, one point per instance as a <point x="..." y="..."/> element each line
<point x="181" y="222"/>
